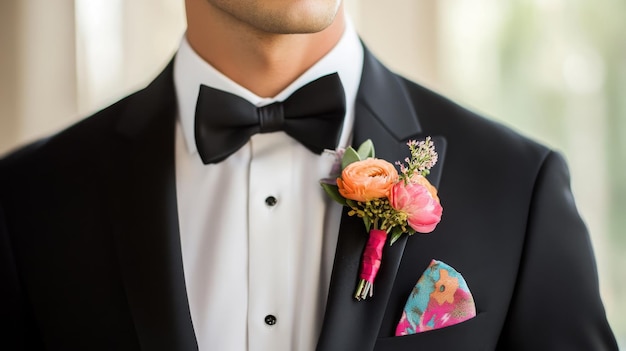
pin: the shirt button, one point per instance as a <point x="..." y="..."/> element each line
<point x="270" y="201"/>
<point x="270" y="319"/>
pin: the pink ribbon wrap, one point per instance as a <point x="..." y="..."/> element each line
<point x="372" y="255"/>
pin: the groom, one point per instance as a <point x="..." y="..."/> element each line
<point x="159" y="224"/>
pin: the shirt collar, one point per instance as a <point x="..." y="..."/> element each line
<point x="190" y="71"/>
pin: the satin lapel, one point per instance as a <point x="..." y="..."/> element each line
<point x="384" y="114"/>
<point x="143" y="198"/>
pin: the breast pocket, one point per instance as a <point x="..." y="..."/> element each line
<point x="467" y="336"/>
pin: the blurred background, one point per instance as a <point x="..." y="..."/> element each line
<point x="554" y="70"/>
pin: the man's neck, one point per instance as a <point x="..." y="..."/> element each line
<point x="264" y="63"/>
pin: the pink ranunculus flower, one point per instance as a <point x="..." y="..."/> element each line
<point x="418" y="199"/>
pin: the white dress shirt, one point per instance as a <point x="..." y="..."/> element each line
<point x="258" y="234"/>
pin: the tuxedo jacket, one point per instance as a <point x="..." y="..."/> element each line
<point x="91" y="257"/>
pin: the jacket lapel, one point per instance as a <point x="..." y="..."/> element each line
<point x="143" y="197"/>
<point x="384" y="114"/>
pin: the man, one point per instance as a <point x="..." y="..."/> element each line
<point x="136" y="228"/>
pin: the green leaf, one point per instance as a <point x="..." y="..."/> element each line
<point x="366" y="150"/>
<point x="333" y="192"/>
<point x="368" y="223"/>
<point x="350" y="156"/>
<point x="394" y="238"/>
<point x="396" y="233"/>
<point x="351" y="203"/>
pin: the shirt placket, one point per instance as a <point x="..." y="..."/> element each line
<point x="270" y="250"/>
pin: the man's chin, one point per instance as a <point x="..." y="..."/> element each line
<point x="302" y="23"/>
<point x="298" y="28"/>
<point x="286" y="16"/>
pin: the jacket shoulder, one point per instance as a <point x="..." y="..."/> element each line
<point x="74" y="143"/>
<point x="471" y="132"/>
<point x="93" y="134"/>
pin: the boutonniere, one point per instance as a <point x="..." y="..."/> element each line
<point x="391" y="203"/>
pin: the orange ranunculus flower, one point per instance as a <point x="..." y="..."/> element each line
<point x="367" y="180"/>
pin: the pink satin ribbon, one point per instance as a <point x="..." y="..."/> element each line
<point x="373" y="255"/>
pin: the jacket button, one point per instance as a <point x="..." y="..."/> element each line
<point x="270" y="319"/>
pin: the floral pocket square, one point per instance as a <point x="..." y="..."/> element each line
<point x="440" y="299"/>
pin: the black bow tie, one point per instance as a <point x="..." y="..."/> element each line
<point x="313" y="115"/>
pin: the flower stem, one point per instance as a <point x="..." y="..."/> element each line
<point x="370" y="263"/>
<point x="364" y="289"/>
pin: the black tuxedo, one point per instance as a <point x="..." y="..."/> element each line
<point x="91" y="257"/>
